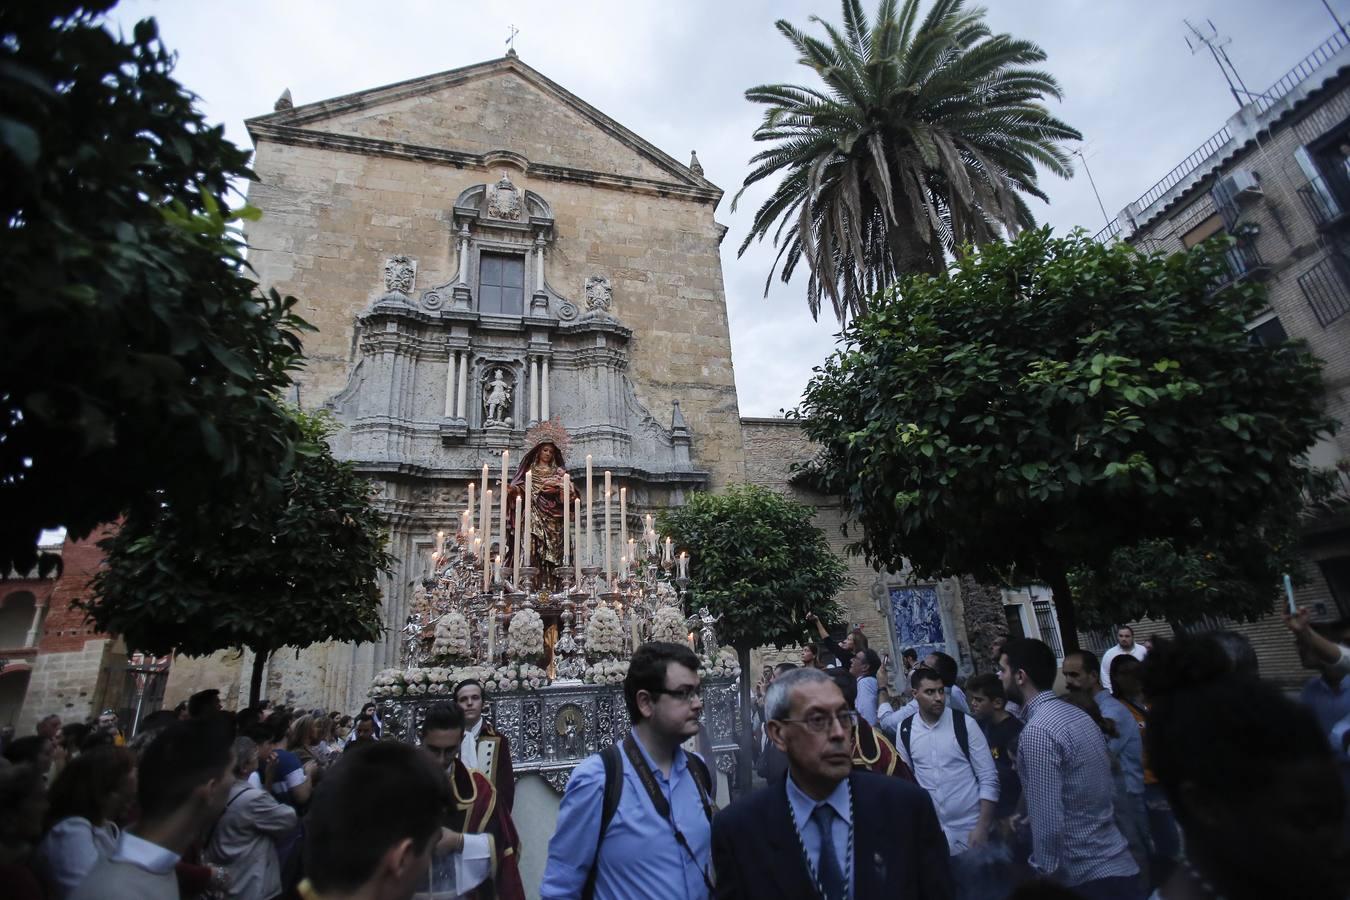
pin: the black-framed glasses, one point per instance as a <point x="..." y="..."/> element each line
<point x="684" y="694"/>
<point x="819" y="723"/>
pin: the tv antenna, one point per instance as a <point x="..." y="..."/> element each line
<point x="1078" y="152"/>
<point x="1198" y="40"/>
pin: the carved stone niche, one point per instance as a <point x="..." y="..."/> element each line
<point x="499" y="393"/>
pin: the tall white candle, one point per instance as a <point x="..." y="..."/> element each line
<point x="526" y="538"/>
<point x="609" y="566"/>
<point x="487" y="536"/>
<point x="515" y="554"/>
<point x="670" y="551"/>
<point x="567" y="514"/>
<point x="684" y="565"/>
<point x="590" y="514"/>
<point x="576" y="557"/>
<point x="468" y="513"/>
<point x="623" y="519"/>
<point x="485" y="515"/>
<point x="506" y="493"/>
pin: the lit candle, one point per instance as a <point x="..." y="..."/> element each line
<point x="650" y="535"/>
<point x="515" y="553"/>
<point x="502" y="546"/>
<point x="440" y="542"/>
<point x="623" y="568"/>
<point x="623" y="518"/>
<point x="670" y="554"/>
<point x="576" y="557"/>
<point x="590" y="519"/>
<point x="485" y="516"/>
<point x="632" y="553"/>
<point x="567" y="513"/>
<point x="526" y="538"/>
<point x="684" y="565"/>
<point x="609" y="566"/>
<point x="468" y="513"/>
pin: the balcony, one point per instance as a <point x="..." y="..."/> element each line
<point x="1243" y="264"/>
<point x="1325" y="200"/>
<point x="1324" y="287"/>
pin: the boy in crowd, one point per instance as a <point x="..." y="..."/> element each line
<point x="988" y="704"/>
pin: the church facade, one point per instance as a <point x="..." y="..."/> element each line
<point x="481" y="250"/>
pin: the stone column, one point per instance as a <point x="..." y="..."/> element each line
<point x="533" y="414"/>
<point x="545" y="413"/>
<point x="31" y="638"/>
<point x="451" y="376"/>
<point x="463" y="275"/>
<point x="539" y="264"/>
<point x="464" y="387"/>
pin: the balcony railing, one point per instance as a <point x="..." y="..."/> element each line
<point x="1323" y="199"/>
<point x="1324" y="287"/>
<point x="1242" y="262"/>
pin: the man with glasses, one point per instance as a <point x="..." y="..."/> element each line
<point x="635" y="819"/>
<point x="827" y="829"/>
<point x="479" y="838"/>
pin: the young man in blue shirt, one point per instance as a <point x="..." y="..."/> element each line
<point x="641" y="853"/>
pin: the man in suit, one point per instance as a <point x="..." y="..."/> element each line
<point x="825" y="829"/>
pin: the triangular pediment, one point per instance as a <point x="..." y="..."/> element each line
<point x="468" y="115"/>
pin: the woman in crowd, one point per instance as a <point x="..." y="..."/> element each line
<point x="330" y="745"/>
<point x="1251" y="780"/>
<point x="303" y="739"/>
<point x="23" y="804"/>
<point x="368" y="710"/>
<point x="88" y="802"/>
<point x="243" y="840"/>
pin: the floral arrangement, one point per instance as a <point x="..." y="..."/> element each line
<point x="604" y="633"/>
<point x="525" y="637"/>
<point x="452" y="637"/>
<point x="605" y="673"/>
<point x="514" y="677"/>
<point x="724" y="665"/>
<point x="389" y="683"/>
<point x="437" y="681"/>
<point x="669" y="625"/>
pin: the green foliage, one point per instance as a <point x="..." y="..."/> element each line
<point x="1056" y="406"/>
<point x="138" y="360"/>
<point x="925" y="137"/>
<point x="267" y="569"/>
<point x="756" y="560"/>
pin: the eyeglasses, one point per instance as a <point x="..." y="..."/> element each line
<point x="819" y="723"/>
<point x="684" y="694"/>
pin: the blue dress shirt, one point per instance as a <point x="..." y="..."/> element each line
<point x="639" y="858"/>
<point x="1127" y="746"/>
<point x="802" y="807"/>
<point x="866" y="704"/>
<point x="1330" y="704"/>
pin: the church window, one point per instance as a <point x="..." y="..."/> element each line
<point x="501" y="284"/>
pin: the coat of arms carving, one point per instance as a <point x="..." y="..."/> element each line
<point x="504" y="200"/>
<point x="400" y="272"/>
<point x="599" y="294"/>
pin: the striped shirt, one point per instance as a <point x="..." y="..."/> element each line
<point x="1066" y="779"/>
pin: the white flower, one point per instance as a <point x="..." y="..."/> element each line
<point x="452" y="637"/>
<point x="604" y="633"/>
<point x="669" y="625"/>
<point x="525" y="637"/>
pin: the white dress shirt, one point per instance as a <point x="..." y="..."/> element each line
<point x="468" y="746"/>
<point x="1137" y="651"/>
<point x="957" y="785"/>
<point x="70" y="850"/>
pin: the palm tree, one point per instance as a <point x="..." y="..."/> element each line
<point x="925" y="138"/>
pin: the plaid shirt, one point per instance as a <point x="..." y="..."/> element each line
<point x="1066" y="778"/>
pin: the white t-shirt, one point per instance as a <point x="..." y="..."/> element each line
<point x="1137" y="651"/>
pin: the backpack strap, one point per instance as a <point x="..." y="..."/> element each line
<point x="613" y="791"/>
<point x="698" y="770"/>
<point x="906" y="725"/>
<point x="962" y="735"/>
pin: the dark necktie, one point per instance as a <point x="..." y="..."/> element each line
<point x="832" y="881"/>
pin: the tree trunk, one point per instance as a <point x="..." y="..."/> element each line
<point x="1068" y="617"/>
<point x="745" y="764"/>
<point x="985" y="620"/>
<point x="260" y="658"/>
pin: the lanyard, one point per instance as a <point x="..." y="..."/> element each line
<point x="848" y="857"/>
<point x="662" y="805"/>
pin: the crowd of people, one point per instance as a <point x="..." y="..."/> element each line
<point x="1188" y="778"/>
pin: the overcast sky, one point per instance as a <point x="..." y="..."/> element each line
<point x="676" y="74"/>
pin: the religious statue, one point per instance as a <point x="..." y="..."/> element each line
<point x="497" y="399"/>
<point x="412" y="641"/>
<point x="544" y="461"/>
<point x="707" y="636"/>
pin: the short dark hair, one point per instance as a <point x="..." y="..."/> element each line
<point x="847" y="684"/>
<point x="647" y="671"/>
<point x="1033" y="657"/>
<point x="27" y="749"/>
<point x="923" y="673"/>
<point x="1129" y="628"/>
<point x="443" y="717"/>
<point x="872" y="660"/>
<point x="202" y="702"/>
<point x="466" y="683"/>
<point x="986" y="685"/>
<point x="396" y="794"/>
<point x="909" y="653"/>
<point x="784" y="667"/>
<point x="160" y="718"/>
<point x="946" y="667"/>
<point x="1117" y="671"/>
<point x="1092" y="665"/>
<point x="185" y="756"/>
<point x="85" y="784"/>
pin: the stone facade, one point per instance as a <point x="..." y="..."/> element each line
<point x="393" y="214"/>
<point x="1275" y="178"/>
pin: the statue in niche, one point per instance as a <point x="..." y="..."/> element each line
<point x="504" y="200"/>
<point x="400" y="272"/>
<point x="497" y="399"/>
<point x="599" y="295"/>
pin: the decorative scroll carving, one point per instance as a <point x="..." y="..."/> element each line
<point x="557" y="779"/>
<point x="400" y="273"/>
<point x="504" y="200"/>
